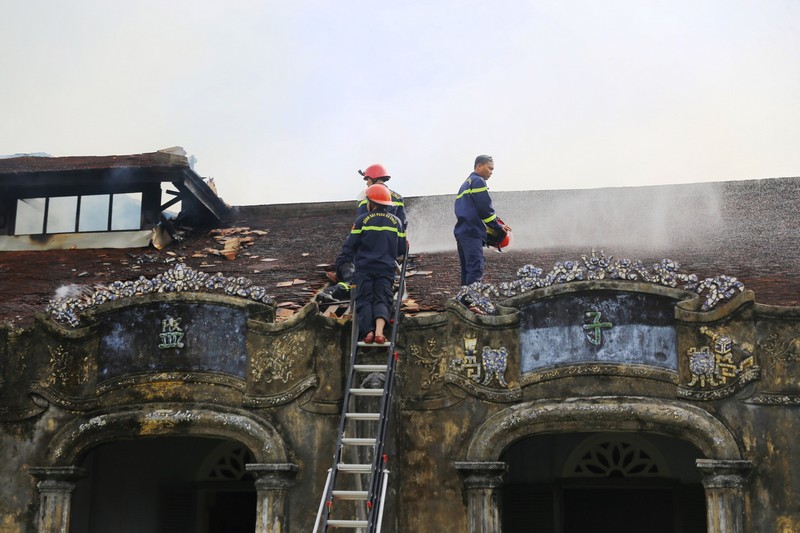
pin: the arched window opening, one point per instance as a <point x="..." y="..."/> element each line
<point x="615" y="456"/>
<point x="226" y="463"/>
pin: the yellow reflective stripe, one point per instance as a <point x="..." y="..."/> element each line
<point x="472" y="191"/>
<point x="487" y="220"/>
<point x="399" y="204"/>
<point x="378" y="228"/>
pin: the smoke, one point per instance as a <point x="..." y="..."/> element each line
<point x="71" y="291"/>
<point x="646" y="218"/>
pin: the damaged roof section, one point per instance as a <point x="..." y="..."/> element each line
<point x="103" y="201"/>
<point x="745" y="230"/>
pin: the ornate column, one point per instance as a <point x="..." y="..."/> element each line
<point x="724" y="483"/>
<point x="481" y="481"/>
<point x="272" y="482"/>
<point x="55" y="485"/>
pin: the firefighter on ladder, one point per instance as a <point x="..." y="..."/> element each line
<point x="343" y="277"/>
<point x="376" y="241"/>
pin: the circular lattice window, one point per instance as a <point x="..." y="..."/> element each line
<point x="226" y="463"/>
<point x="615" y="456"/>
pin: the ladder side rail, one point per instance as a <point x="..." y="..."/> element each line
<point x="391" y="366"/>
<point x="379" y="461"/>
<point x="384" y="484"/>
<point x="322" y="501"/>
<point x="399" y="303"/>
<point x="377" y="480"/>
<point x="327" y="495"/>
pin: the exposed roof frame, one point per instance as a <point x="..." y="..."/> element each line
<point x="27" y="176"/>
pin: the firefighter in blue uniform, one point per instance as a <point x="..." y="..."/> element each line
<point x="375" y="174"/>
<point x="375" y="242"/>
<point x="378" y="174"/>
<point x="475" y="214"/>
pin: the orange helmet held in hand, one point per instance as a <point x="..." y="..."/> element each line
<point x="498" y="239"/>
<point x="379" y="194"/>
<point x="375" y="172"/>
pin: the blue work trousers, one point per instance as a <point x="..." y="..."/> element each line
<point x="374" y="293"/>
<point x="470" y="254"/>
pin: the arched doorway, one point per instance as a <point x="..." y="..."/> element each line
<point x="723" y="471"/>
<point x="272" y="474"/>
<point x="602" y="482"/>
<point x="166" y="485"/>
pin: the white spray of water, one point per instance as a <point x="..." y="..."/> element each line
<point x="70" y="291"/>
<point x="632" y="217"/>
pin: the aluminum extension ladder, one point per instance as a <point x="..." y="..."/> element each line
<point x="355" y="489"/>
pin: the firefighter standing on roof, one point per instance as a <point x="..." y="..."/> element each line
<point x="375" y="242"/>
<point x="475" y="214"/>
<point x="378" y="174"/>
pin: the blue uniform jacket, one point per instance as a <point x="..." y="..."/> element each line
<point x="398" y="208"/>
<point x="474" y="210"/>
<point x="375" y="242"/>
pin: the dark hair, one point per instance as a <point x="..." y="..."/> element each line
<point x="483" y="159"/>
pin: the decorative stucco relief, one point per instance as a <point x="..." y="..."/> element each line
<point x="432" y="359"/>
<point x="784" y="349"/>
<point x="285" y="396"/>
<point x="273" y="363"/>
<point x="280" y="369"/>
<point x="66" y="368"/>
<point x="59" y="365"/>
<point x="717" y="370"/>
<point x="784" y="352"/>
<point x="480" y="371"/>
<point x="774" y="399"/>
<point x="180" y="278"/>
<point x="598" y="267"/>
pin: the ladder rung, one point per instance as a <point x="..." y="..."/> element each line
<point x="347" y="523"/>
<point x="370" y="368"/>
<point x="350" y="494"/>
<point x="363" y="416"/>
<point x="366" y="392"/>
<point x="358" y="441"/>
<point x="359" y="468"/>
<point x="373" y="344"/>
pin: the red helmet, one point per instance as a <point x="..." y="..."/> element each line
<point x="375" y="172"/>
<point x="379" y="194"/>
<point x="497" y="239"/>
<point x="505" y="242"/>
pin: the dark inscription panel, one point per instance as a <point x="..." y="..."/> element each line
<point x="170" y="337"/>
<point x="603" y="327"/>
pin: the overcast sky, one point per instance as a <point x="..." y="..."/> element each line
<point x="285" y="101"/>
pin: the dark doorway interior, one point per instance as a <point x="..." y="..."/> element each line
<point x="232" y="512"/>
<point x="166" y="485"/>
<point x="617" y="510"/>
<point x="602" y="483"/>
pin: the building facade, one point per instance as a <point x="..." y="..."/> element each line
<point x="600" y="397"/>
